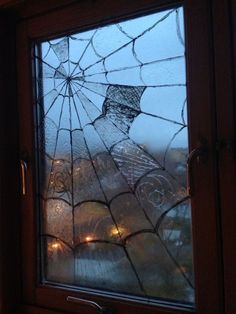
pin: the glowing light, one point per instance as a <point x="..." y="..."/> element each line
<point x="118" y="231"/>
<point x="56" y="245"/>
<point x="114" y="231"/>
<point x="88" y="238"/>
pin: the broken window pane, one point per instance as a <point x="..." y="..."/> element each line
<point x="113" y="145"/>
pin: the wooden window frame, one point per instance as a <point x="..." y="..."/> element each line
<point x="200" y="82"/>
<point x="9" y="181"/>
<point x="224" y="32"/>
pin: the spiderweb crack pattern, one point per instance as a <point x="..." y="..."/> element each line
<point x="116" y="214"/>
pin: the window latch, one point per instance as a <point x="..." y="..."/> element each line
<point x="99" y="309"/>
<point x="23" y="168"/>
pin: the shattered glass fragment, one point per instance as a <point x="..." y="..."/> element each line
<point x="61" y="50"/>
<point x="132" y="161"/>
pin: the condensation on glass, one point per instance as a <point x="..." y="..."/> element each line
<point x="112" y="150"/>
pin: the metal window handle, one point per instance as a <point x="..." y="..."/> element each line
<point x="23" y="167"/>
<point x="197" y="154"/>
<point x="99" y="309"/>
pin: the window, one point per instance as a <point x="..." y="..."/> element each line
<point x="123" y="243"/>
<point x="113" y="149"/>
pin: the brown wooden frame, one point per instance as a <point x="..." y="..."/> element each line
<point x="224" y="14"/>
<point x="200" y="80"/>
<point x="9" y="191"/>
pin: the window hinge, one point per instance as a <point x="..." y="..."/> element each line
<point x="23" y="168"/>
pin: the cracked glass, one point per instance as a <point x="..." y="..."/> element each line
<point x="112" y="134"/>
